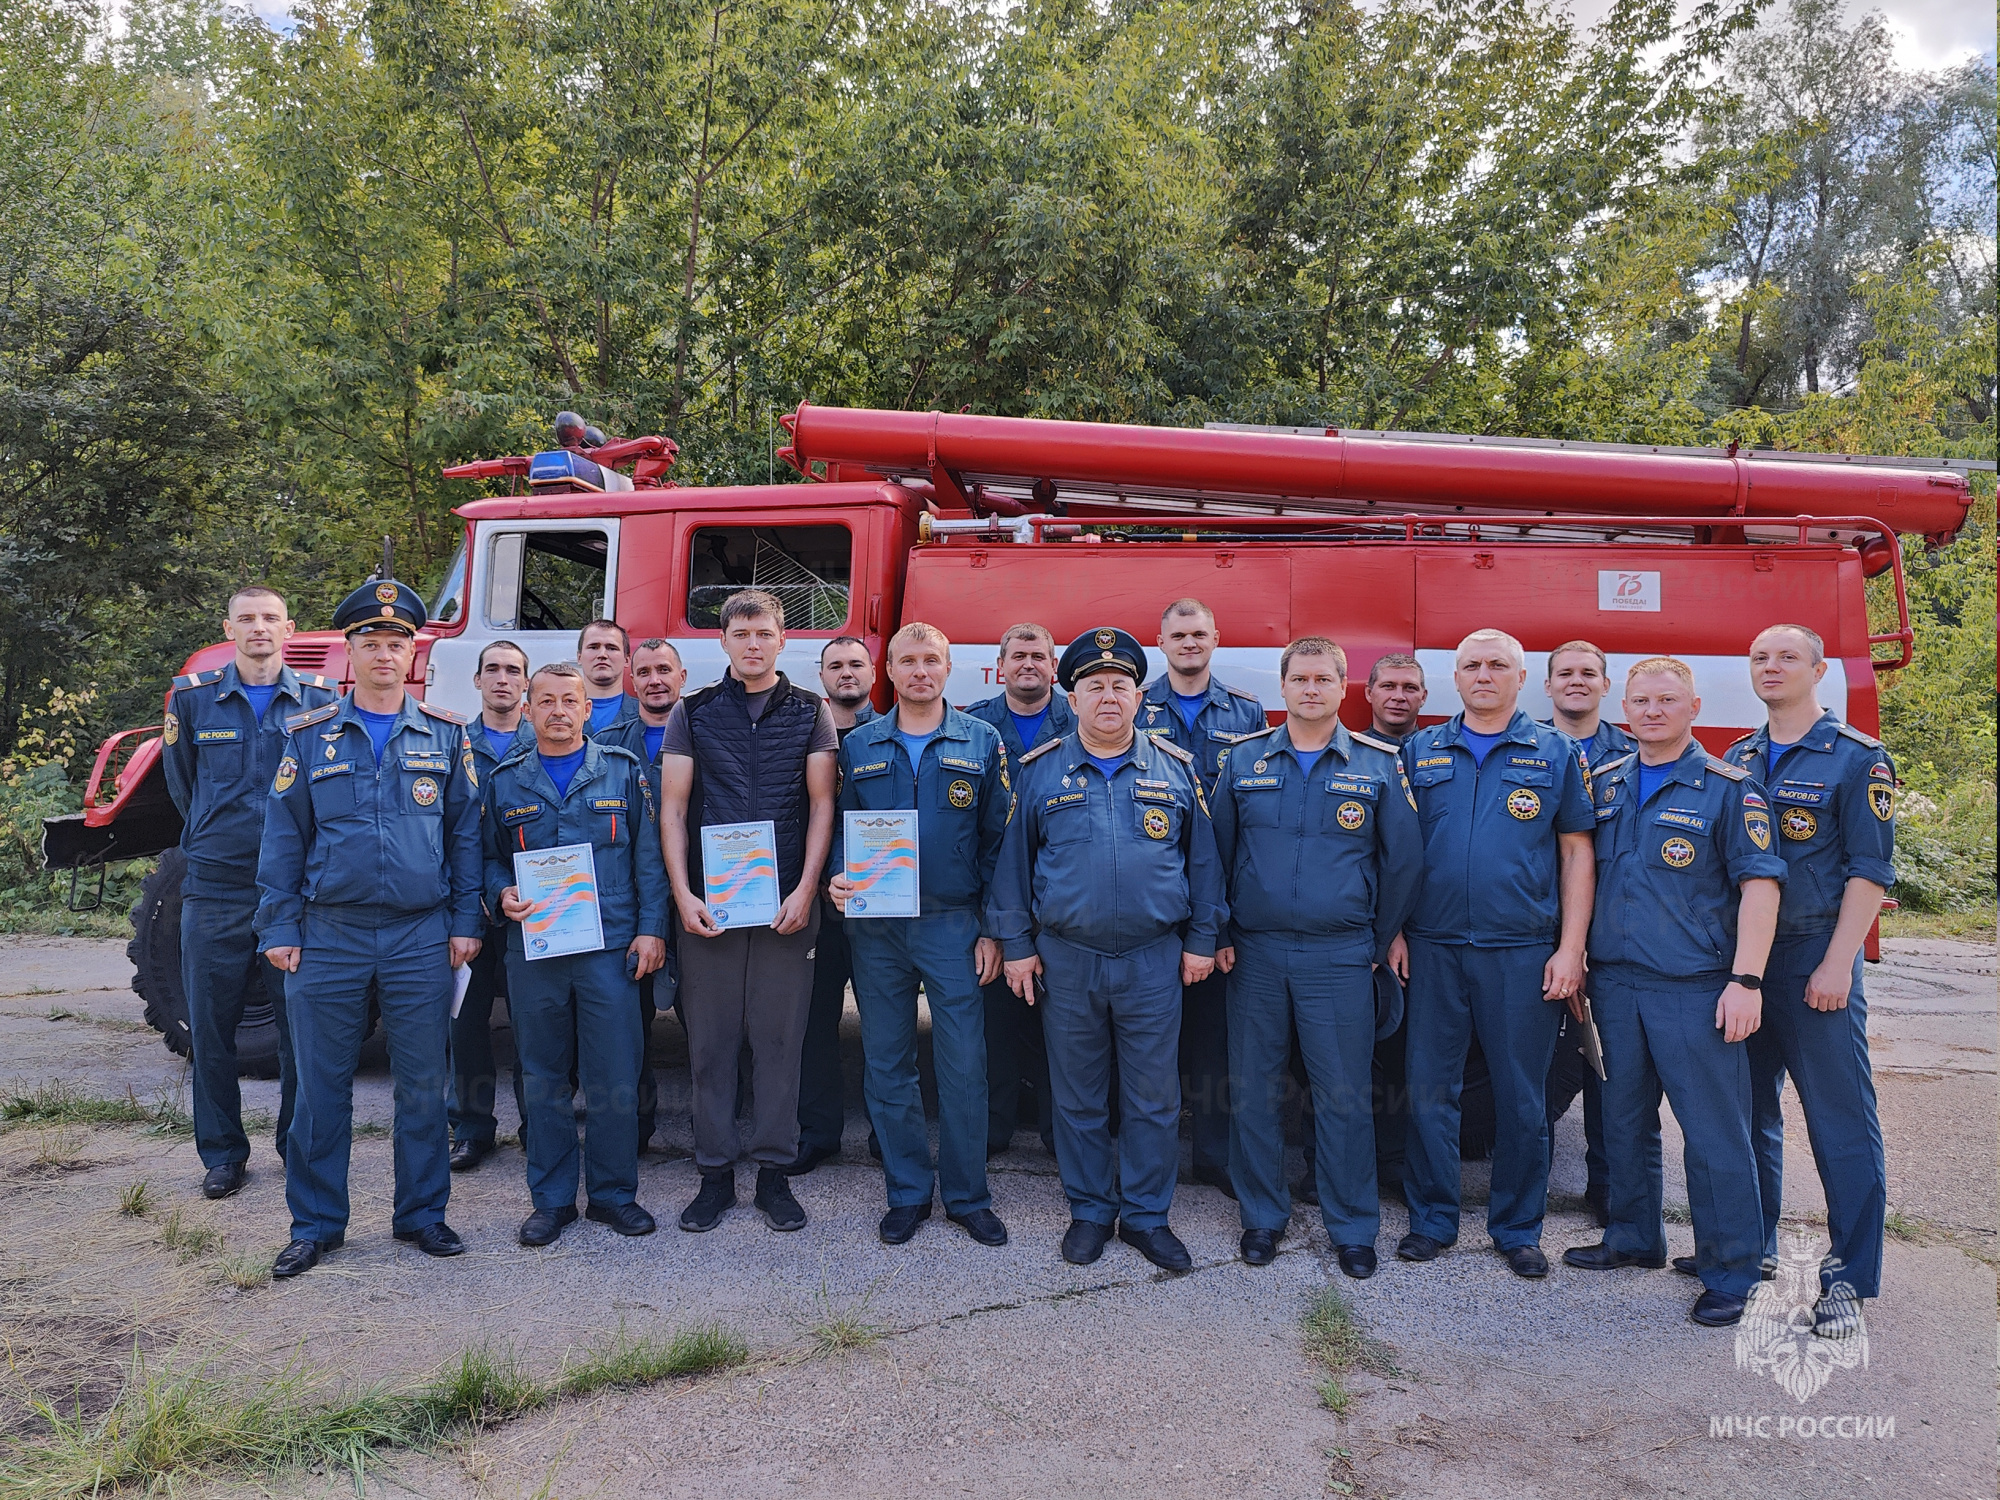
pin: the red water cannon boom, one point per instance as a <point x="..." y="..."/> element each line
<point x="584" y="460"/>
<point x="1013" y="464"/>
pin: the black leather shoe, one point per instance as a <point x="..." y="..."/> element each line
<point x="624" y="1218"/>
<point x="1685" y="1264"/>
<point x="1604" y="1258"/>
<point x="899" y="1225"/>
<point x="1306" y="1190"/>
<point x="808" y="1158"/>
<point x="775" y="1201"/>
<point x="1260" y="1246"/>
<point x="1835" y="1317"/>
<point x="983" y="1225"/>
<point x="716" y="1198"/>
<point x="1217" y="1178"/>
<point x="1419" y="1247"/>
<point x="1526" y="1261"/>
<point x="438" y="1239"/>
<point x="1717" y="1310"/>
<point x="1357" y="1261"/>
<point x="545" y="1225"/>
<point x="220" y="1182"/>
<point x="1161" y="1246"/>
<point x="466" y="1155"/>
<point x="302" y="1255"/>
<point x="1598" y="1201"/>
<point x="1084" y="1241"/>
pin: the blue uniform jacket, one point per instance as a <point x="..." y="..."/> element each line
<point x="1833" y="806"/>
<point x="628" y="715"/>
<point x="219" y="761"/>
<point x="1669" y="872"/>
<point x="609" y="806"/>
<point x="1334" y="855"/>
<point x="1606" y="745"/>
<point x="1060" y="720"/>
<point x="1227" y="714"/>
<point x="1109" y="866"/>
<point x="382" y="841"/>
<point x="960" y="792"/>
<point x="628" y="732"/>
<point x="1491" y="871"/>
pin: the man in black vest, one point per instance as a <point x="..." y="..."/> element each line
<point x="748" y="748"/>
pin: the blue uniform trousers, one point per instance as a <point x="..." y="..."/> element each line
<point x="1100" y="1008"/>
<point x="822" y="1087"/>
<point x="1323" y="987"/>
<point x="474" y="1078"/>
<point x="1660" y="1034"/>
<point x="409" y="961"/>
<point x="576" y="1024"/>
<point x="1457" y="990"/>
<point x="221" y="973"/>
<point x="891" y="957"/>
<point x="1826" y="1053"/>
<point x="1016" y="1055"/>
<point x="1204" y="1062"/>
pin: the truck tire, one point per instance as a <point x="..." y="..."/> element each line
<point x="155" y="952"/>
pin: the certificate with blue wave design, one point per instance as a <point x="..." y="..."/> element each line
<point x="881" y="849"/>
<point x="739" y="873"/>
<point x="560" y="887"/>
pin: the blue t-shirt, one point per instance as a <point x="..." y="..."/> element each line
<point x="654" y="734"/>
<point x="1029" y="725"/>
<point x="913" y="746"/>
<point x="1479" y="744"/>
<point x="499" y="741"/>
<point x="260" y="698"/>
<point x="1772" y="755"/>
<point x="1108" y="764"/>
<point x="1651" y="779"/>
<point x="604" y="710"/>
<point x="378" y="727"/>
<point x="1188" y="707"/>
<point x="1307" y="759"/>
<point x="562" y="769"/>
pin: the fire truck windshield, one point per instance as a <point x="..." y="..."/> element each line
<point x="450" y="596"/>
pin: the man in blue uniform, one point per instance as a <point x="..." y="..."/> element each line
<point x="502" y="681"/>
<point x="848" y="676"/>
<point x="221" y="744"/>
<point x="576" y="1015"/>
<point x="603" y="652"/>
<point x="1028" y="711"/>
<point x="1686" y="902"/>
<point x="1577" y="682"/>
<point x="1833" y="801"/>
<point x="370" y="875"/>
<point x="1318" y="840"/>
<point x="1187" y="706"/>
<point x="1497" y="937"/>
<point x="950" y="768"/>
<point x="1108" y="884"/>
<point x="658" y="677"/>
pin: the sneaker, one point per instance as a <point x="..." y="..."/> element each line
<point x="716" y="1198"/>
<point x="775" y="1201"/>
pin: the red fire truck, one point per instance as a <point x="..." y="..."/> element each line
<point x="1385" y="541"/>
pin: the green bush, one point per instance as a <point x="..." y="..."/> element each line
<point x="1945" y="849"/>
<point x="31" y="898"/>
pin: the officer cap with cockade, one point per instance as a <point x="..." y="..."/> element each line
<point x="381" y="604"/>
<point x="1105" y="649"/>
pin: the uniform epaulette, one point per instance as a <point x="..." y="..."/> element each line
<point x="1859" y="738"/>
<point x="1254" y="734"/>
<point x="442" y="713"/>
<point x="311" y="717"/>
<point x="313" y="679"/>
<point x="1746" y="739"/>
<point x="1374" y="744"/>
<point x="1172" y="749"/>
<point x="1239" y="693"/>
<point x="1614" y="765"/>
<point x="1040" y="750"/>
<point x="1725" y="770"/>
<point x="618" y="750"/>
<point x="196" y="679"/>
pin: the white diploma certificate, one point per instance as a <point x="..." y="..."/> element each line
<point x="881" y="857"/>
<point x="560" y="887"/>
<point x="739" y="873"/>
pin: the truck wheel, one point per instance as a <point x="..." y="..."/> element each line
<point x="155" y="952"/>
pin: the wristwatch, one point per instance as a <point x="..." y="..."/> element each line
<point x="1751" y="982"/>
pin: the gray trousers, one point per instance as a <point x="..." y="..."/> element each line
<point x="749" y="987"/>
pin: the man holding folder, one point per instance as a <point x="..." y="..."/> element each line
<point x="949" y="770"/>
<point x="585" y="807"/>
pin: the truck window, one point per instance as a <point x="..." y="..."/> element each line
<point x="445" y="607"/>
<point x="545" y="580"/>
<point x="809" y="568"/>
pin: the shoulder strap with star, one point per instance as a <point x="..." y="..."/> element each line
<point x="1725" y="770"/>
<point x="1239" y="693"/>
<point x="1174" y="750"/>
<point x="1848" y="731"/>
<point x="1254" y="734"/>
<point x="311" y="717"/>
<point x="1040" y="750"/>
<point x="441" y="713"/>
<point x="1616" y="765"/>
<point x="1374" y="744"/>
<point x="1738" y="744"/>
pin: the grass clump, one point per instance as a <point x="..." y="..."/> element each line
<point x="59" y="1147"/>
<point x="247" y="1272"/>
<point x="1334" y="1341"/>
<point x="186" y="1238"/>
<point x="628" y="1361"/>
<point x="834" y="1326"/>
<point x="135" y="1199"/>
<point x="62" y="1103"/>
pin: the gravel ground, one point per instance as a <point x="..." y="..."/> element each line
<point x="1008" y="1372"/>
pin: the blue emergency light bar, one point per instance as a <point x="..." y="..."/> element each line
<point x="563" y="467"/>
